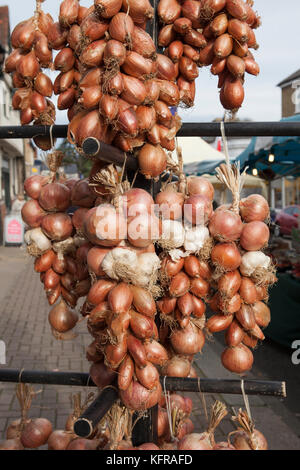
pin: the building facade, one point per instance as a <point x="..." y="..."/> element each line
<point x="290" y="95"/>
<point x="16" y="155"/>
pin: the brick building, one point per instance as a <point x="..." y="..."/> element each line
<point x="290" y="95"/>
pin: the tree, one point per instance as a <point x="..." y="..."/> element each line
<point x="72" y="157"/>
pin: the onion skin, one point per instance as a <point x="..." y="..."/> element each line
<point x="83" y="444"/>
<point x="179" y="285"/>
<point x="94" y="259"/>
<point x="55" y="197"/>
<point x="225" y="226"/>
<point x="255" y="236"/>
<point x="229" y="284"/>
<point x="195" y="442"/>
<point x="248" y="291"/>
<point x="246" y="317"/>
<point x="148" y="376"/>
<point x="226" y="256"/>
<point x="32" y="213"/>
<point x="187" y="341"/>
<point x="59" y="440"/>
<point x="11" y="444"/>
<point x="177" y="367"/>
<point x="101" y="375"/>
<point x="234" y="335"/>
<point x="155" y="352"/>
<point x="104" y="226"/>
<point x="120" y="298"/>
<point x="125" y="373"/>
<point x="99" y="291"/>
<point x="44" y="262"/>
<point x="199" y="287"/>
<point x="244" y="441"/>
<point x="36" y="433"/>
<point x="152" y="161"/>
<point x="262" y="314"/>
<point x="238" y="359"/>
<point x="138" y="398"/>
<point x="218" y="323"/>
<point x="61" y="318"/>
<point x="232" y="93"/>
<point x="58" y="226"/>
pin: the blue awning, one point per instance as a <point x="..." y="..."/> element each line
<point x="286" y="151"/>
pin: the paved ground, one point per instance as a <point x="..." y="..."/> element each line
<point x="25" y="330"/>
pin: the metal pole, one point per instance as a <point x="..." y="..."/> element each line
<point x="85" y="425"/>
<point x="252" y="387"/>
<point x="190" y="129"/>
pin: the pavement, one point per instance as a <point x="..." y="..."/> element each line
<point x="30" y="345"/>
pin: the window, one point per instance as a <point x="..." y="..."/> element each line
<point x="297" y="100"/>
<point x="289" y="210"/>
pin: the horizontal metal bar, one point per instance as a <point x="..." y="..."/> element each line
<point x="189" y="129"/>
<point x="99" y="150"/>
<point x="84" y="426"/>
<point x="251" y="387"/>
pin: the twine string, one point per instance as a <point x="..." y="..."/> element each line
<point x="246" y="399"/>
<point x="202" y="397"/>
<point x="168" y="407"/>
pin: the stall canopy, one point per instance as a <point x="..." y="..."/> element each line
<point x="197" y="152"/>
<point x="278" y="155"/>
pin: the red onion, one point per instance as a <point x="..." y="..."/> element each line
<point x="58" y="226"/>
<point x="255" y="236"/>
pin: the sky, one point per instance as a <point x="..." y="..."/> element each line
<point x="278" y="57"/>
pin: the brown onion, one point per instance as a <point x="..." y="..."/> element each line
<point x="59" y="440"/>
<point x="169" y="92"/>
<point x="166" y="35"/>
<point x="142" y="43"/>
<point x="188" y="68"/>
<point x="225" y="226"/>
<point x="197" y="185"/>
<point x="187" y="91"/>
<point x="134" y="90"/>
<point x="177" y="367"/>
<point x="43" y="85"/>
<point x="237" y="9"/>
<point x="139" y="10"/>
<point x="226" y="256"/>
<point x="54" y="197"/>
<point x="125" y="373"/>
<point x="219" y="24"/>
<point x="65" y="60"/>
<point x="246" y="317"/>
<point x="36" y="433"/>
<point x="28" y="66"/>
<point x="152" y="161"/>
<point x="42" y="50"/>
<point x="232" y="93"/>
<point x="148" y="376"/>
<point x="238" y="359"/>
<point x="168" y="11"/>
<point x="234" y="335"/>
<point x="120" y="298"/>
<point x="187" y="341"/>
<point x="139" y="398"/>
<point x="23" y="35"/>
<point x="179" y="285"/>
<point x="68" y="12"/>
<point x="101" y="375"/>
<point x="243" y="440"/>
<point x="229" y="284"/>
<point x="57" y="226"/>
<point x="114" y="354"/>
<point x="44" y="262"/>
<point x="108" y="8"/>
<point x="57" y="36"/>
<point x="248" y="291"/>
<point x="232" y="305"/>
<point x="61" y="318"/>
<point x="255" y="236"/>
<point x="143" y="301"/>
<point x="12" y="60"/>
<point x="198" y="209"/>
<point x="207" y="55"/>
<point x="223" y="46"/>
<point x="155" y="352"/>
<point x="99" y="291"/>
<point x="195" y="39"/>
<point x="83" y="444"/>
<point x="218" y="323"/>
<point x="32" y="213"/>
<point x="93" y="28"/>
<point x="262" y="314"/>
<point x="236" y="66"/>
<point x="254" y="208"/>
<point x="199" y="287"/>
<point x="121" y="27"/>
<point x="92" y="55"/>
<point x="165" y="68"/>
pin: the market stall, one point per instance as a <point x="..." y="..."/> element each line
<point x="141" y="281"/>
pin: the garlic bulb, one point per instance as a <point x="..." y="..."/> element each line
<point x="195" y="238"/>
<point x="37" y="237"/>
<point x="252" y="261"/>
<point x="119" y="263"/>
<point x="173" y="234"/>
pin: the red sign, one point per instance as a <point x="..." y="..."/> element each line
<point x="14" y="230"/>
